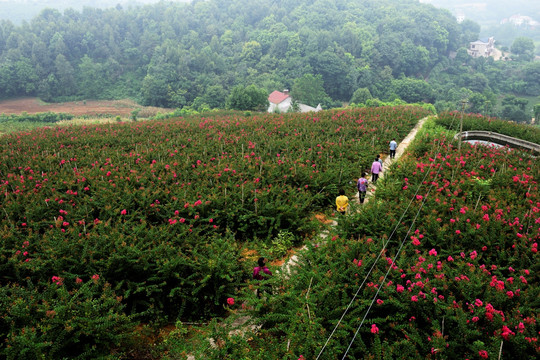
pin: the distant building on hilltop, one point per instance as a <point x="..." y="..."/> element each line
<point x="519" y="20"/>
<point x="282" y="102"/>
<point x="482" y="47"/>
<point x="460" y="17"/>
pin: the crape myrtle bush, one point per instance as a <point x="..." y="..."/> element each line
<point x="479" y="122"/>
<point x="47" y="117"/>
<point x="465" y="281"/>
<point x="156" y="211"/>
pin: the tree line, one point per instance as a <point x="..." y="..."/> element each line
<point x="194" y="55"/>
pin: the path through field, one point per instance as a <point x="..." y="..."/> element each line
<point x="244" y="323"/>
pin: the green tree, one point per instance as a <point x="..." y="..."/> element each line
<point x="514" y="113"/>
<point x="531" y="78"/>
<point x="523" y="47"/>
<point x="309" y="90"/>
<point x="214" y="96"/>
<point x="512" y="100"/>
<point x="251" y="52"/>
<point x="65" y="75"/>
<point x="154" y="91"/>
<point x="414" y="60"/>
<point x="90" y="78"/>
<point x="412" y="90"/>
<point x="17" y="78"/>
<point x="360" y="96"/>
<point x="247" y="98"/>
<point x="536" y="110"/>
<point x="477" y="103"/>
<point x="470" y="31"/>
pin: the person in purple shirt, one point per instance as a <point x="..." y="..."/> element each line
<point x="376" y="168"/>
<point x="362" y="185"/>
<point x="260" y="273"/>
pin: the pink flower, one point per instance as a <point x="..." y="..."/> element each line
<point x="95" y="277"/>
<point x="57" y="280"/>
<point x="475" y="318"/>
<point x="506" y="332"/>
<point x="230" y="301"/>
<point x="474" y="254"/>
<point x="414" y="298"/>
<point x="450" y="259"/>
<point x="478" y="302"/>
<point x="458" y="232"/>
<point x="123" y="212"/>
<point x="433" y="252"/>
<point x="380" y="302"/>
<point x="483" y="354"/>
<point x="374" y="329"/>
<point x="78" y="280"/>
<point x="400" y="288"/>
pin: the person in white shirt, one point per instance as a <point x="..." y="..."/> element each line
<point x="393" y="147"/>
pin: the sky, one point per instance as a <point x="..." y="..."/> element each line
<point x="24" y="10"/>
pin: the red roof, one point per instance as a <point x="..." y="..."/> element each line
<point x="277" y="97"/>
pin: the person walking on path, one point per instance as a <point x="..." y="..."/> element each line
<point x="393" y="147"/>
<point x="362" y="185"/>
<point x="342" y="202"/>
<point x="380" y="160"/>
<point x="260" y="273"/>
<point x="376" y="169"/>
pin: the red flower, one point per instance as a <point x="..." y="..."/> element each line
<point x="374" y="329"/>
<point x="230" y="301"/>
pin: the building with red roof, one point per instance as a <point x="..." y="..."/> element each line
<point x="282" y="102"/>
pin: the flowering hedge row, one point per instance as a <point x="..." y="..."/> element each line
<point x="463" y="286"/>
<point x="478" y="122"/>
<point x="155" y="212"/>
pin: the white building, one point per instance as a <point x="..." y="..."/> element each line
<point x="482" y="47"/>
<point x="282" y="102"/>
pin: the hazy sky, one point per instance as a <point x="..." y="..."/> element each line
<point x="18" y="10"/>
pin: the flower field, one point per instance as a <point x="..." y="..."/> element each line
<point x="107" y="226"/>
<point x="441" y="264"/>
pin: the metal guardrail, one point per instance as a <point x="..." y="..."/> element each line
<point x="499" y="139"/>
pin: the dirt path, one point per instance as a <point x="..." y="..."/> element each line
<point x="402" y="146"/>
<point x="243" y="323"/>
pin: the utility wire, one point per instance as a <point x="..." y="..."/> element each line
<point x="397" y="254"/>
<point x="383" y="249"/>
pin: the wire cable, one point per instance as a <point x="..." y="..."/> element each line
<point x="397" y="255"/>
<point x="382" y="250"/>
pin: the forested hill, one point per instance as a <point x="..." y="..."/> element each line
<point x="176" y="54"/>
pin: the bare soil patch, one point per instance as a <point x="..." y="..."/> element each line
<point x="32" y="105"/>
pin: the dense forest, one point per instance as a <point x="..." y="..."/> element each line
<point x="194" y="54"/>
